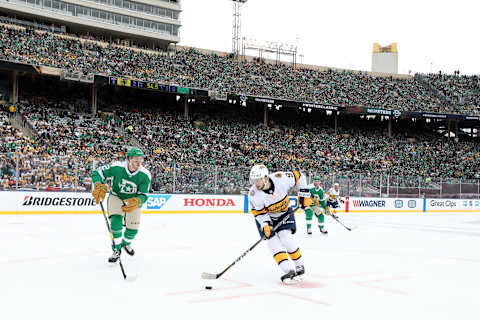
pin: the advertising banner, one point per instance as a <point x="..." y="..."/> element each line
<point x="29" y="202"/>
<point x="193" y="203"/>
<point x="453" y="205"/>
<point x="355" y="204"/>
<point x="22" y="202"/>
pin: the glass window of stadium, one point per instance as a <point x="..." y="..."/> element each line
<point x="108" y="17"/>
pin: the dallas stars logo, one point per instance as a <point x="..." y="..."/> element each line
<point x="127" y="187"/>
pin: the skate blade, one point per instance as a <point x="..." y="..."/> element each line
<point x="292" y="281"/>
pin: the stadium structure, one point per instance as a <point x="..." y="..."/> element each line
<point x="88" y="84"/>
<point x="96" y="61"/>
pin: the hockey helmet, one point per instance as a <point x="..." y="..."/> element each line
<point x="258" y="171"/>
<point x="135" y="152"/>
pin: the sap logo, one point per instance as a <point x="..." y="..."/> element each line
<point x="412" y="203"/>
<point x="157" y="201"/>
<point x="398" y="203"/>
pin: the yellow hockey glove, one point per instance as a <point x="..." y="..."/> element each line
<point x="267" y="230"/>
<point x="131" y="204"/>
<point x="99" y="192"/>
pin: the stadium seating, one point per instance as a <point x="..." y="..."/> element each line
<point x="192" y="68"/>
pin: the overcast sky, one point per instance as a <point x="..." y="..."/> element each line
<point x="431" y="35"/>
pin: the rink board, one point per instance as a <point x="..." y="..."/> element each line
<point x="30" y="202"/>
<point x="83" y="203"/>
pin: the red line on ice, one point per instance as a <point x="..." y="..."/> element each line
<point x="367" y="284"/>
<point x="261" y="294"/>
<point x="351" y="275"/>
<point x="51" y="258"/>
<point x="238" y="285"/>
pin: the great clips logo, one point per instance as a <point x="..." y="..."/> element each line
<point x="157" y="201"/>
<point x="57" y="201"/>
<point x="208" y="202"/>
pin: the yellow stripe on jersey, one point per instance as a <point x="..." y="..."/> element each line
<point x="307" y="202"/>
<point x="280" y="256"/>
<point x="295" y="255"/>
<point x="331" y="196"/>
<point x="280" y="206"/>
<point x="297" y="176"/>
<point x="259" y="212"/>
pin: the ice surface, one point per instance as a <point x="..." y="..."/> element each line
<point x="393" y="266"/>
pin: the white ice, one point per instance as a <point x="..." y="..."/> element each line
<point x="393" y="266"/>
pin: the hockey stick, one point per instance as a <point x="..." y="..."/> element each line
<point x="113" y="242"/>
<point x="207" y="275"/>
<point x="334" y="216"/>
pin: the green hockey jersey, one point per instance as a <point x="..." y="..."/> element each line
<point x="125" y="184"/>
<point x="319" y="195"/>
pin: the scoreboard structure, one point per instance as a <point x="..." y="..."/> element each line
<point x="385" y="59"/>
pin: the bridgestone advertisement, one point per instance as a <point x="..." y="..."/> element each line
<point x="83" y="203"/>
<point x="27" y="202"/>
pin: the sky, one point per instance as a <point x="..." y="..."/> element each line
<point x="431" y="35"/>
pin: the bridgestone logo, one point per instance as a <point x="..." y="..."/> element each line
<point x="57" y="201"/>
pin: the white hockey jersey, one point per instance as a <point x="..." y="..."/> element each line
<point x="272" y="203"/>
<point x="333" y="195"/>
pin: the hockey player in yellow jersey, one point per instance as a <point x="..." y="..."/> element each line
<point x="268" y="197"/>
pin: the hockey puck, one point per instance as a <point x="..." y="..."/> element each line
<point x="208" y="287"/>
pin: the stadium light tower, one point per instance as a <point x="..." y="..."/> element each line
<point x="237" y="25"/>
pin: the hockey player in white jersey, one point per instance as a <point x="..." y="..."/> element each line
<point x="270" y="203"/>
<point x="333" y="197"/>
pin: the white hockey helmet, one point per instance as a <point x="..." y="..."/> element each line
<point x="258" y="171"/>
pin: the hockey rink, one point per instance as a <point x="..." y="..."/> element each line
<point x="392" y="266"/>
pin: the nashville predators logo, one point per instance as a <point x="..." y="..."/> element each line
<point x="280" y="206"/>
<point x="127" y="187"/>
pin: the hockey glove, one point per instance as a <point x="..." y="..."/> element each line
<point x="327" y="211"/>
<point x="342" y="200"/>
<point x="268" y="230"/>
<point x="99" y="192"/>
<point x="131" y="204"/>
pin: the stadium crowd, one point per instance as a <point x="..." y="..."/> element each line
<point x="192" y="68"/>
<point x="463" y="90"/>
<point x="212" y="152"/>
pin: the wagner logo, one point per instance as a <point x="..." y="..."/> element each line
<point x="157" y="201"/>
<point x="201" y="202"/>
<point x="369" y="203"/>
<point x="57" y="201"/>
<point x="398" y="203"/>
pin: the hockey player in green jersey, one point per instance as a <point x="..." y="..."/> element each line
<point x="318" y="205"/>
<point x="129" y="189"/>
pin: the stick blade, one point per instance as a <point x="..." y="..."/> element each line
<point x="131" y="278"/>
<point x="210" y="276"/>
